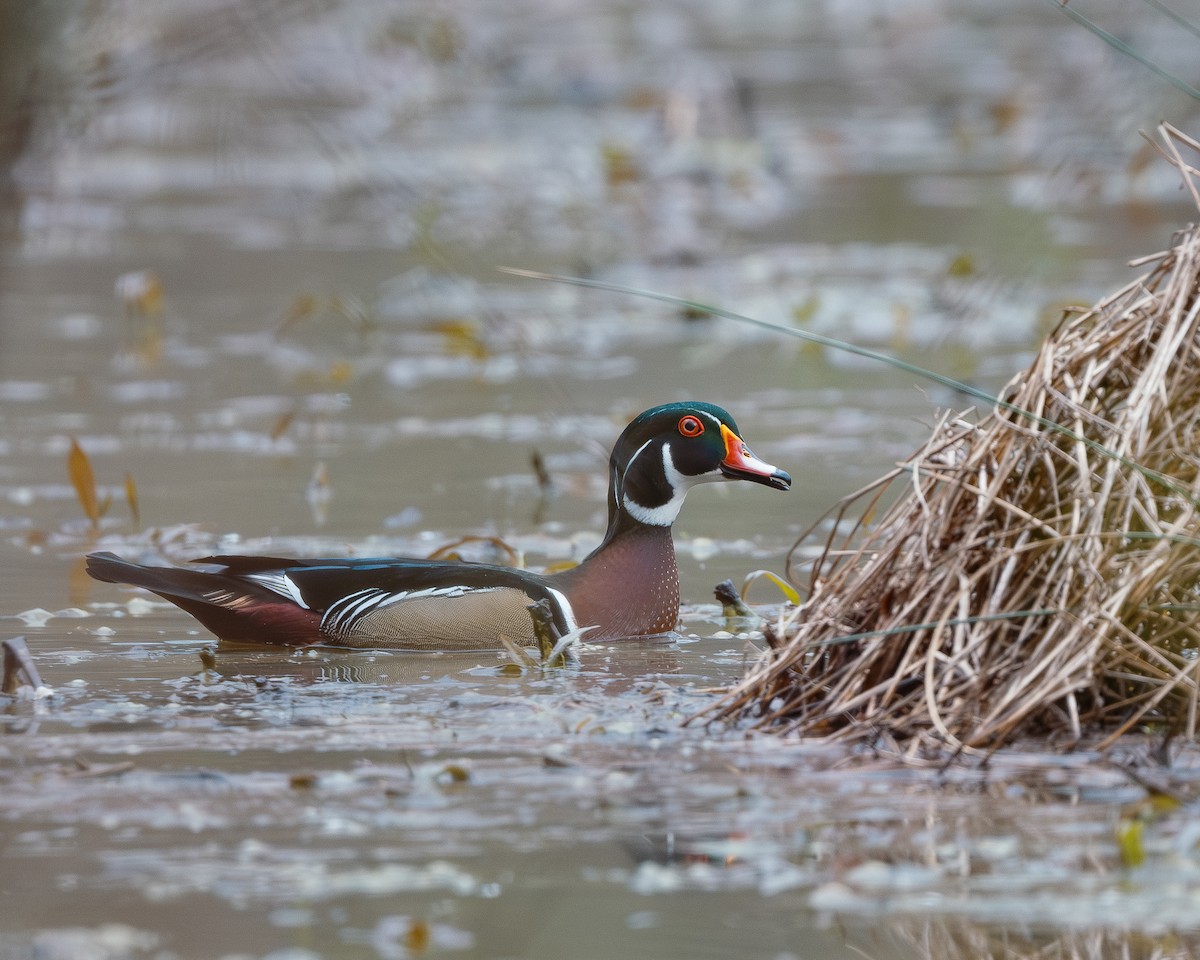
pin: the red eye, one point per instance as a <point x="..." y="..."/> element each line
<point x="690" y="426"/>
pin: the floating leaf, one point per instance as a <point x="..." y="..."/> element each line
<point x="521" y="660"/>
<point x="416" y="939"/>
<point x="141" y="292"/>
<point x="545" y="483"/>
<point x="1129" y="841"/>
<point x="282" y="424"/>
<point x="303" y="307"/>
<point x="512" y="556"/>
<point x="784" y="587"/>
<point x="131" y="498"/>
<point x="85" y="768"/>
<point x="963" y="265"/>
<point x="619" y="164"/>
<point x="80" y="469"/>
<point x="463" y="338"/>
<point x="804" y="312"/>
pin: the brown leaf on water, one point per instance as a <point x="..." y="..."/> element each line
<point x="463" y="338"/>
<point x="301" y="308"/>
<point x="141" y="293"/>
<point x="131" y="498"/>
<point x="620" y="165"/>
<point x="80" y="469"/>
<point x="545" y="483"/>
<point x="282" y="424"/>
<point x="416" y="940"/>
<point x="84" y="768"/>
<point x="506" y="553"/>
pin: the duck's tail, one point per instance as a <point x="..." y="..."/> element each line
<point x="231" y="606"/>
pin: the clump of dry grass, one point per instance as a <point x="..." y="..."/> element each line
<point x="1039" y="572"/>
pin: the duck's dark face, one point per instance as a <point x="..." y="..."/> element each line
<point x="669" y="449"/>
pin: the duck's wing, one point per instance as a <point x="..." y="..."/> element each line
<point x="375" y="602"/>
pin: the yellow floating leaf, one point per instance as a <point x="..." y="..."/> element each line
<point x="619" y="164"/>
<point x="784" y="587"/>
<point x="141" y="292"/>
<point x="1162" y="803"/>
<point x="961" y="266"/>
<point x="131" y="498"/>
<point x="804" y="312"/>
<point x="463" y="338"/>
<point x="84" y="481"/>
<point x="1129" y="841"/>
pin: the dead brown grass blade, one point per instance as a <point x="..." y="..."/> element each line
<point x="79" y="467"/>
<point x="1037" y="571"/>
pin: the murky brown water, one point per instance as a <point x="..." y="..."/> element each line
<point x="324" y="191"/>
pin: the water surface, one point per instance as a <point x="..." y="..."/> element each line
<point x="323" y="192"/>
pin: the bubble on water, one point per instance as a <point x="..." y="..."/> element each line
<point x="37" y="617"/>
<point x="77" y="326"/>
<point x="138" y="607"/>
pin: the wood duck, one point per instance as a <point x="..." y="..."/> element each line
<point x="627" y="587"/>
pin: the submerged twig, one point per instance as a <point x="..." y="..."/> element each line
<point x="18" y="663"/>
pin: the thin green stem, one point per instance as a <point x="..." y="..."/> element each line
<point x="818" y="338"/>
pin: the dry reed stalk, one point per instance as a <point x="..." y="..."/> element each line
<point x="1040" y="571"/>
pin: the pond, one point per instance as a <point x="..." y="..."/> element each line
<point x="250" y="264"/>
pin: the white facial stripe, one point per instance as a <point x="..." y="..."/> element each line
<point x="637" y="453"/>
<point x="711" y="419"/>
<point x="664" y="515"/>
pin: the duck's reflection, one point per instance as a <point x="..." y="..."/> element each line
<point x="623" y="664"/>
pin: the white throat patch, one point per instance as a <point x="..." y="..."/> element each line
<point x="664" y="515"/>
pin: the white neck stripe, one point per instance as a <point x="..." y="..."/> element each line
<point x="664" y="514"/>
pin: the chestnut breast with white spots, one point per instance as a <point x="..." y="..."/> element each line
<point x="631" y="587"/>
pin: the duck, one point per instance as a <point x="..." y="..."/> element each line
<point x="628" y="587"/>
